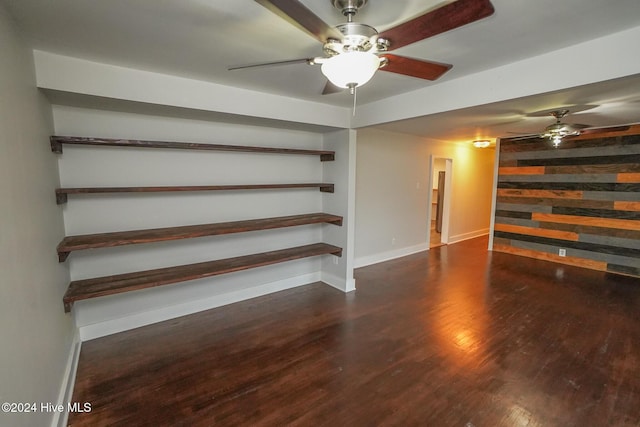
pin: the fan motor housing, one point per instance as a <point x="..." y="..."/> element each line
<point x="354" y="29"/>
<point x="357" y="37"/>
<point x="348" y="7"/>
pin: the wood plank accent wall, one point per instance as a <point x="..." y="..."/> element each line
<point x="583" y="196"/>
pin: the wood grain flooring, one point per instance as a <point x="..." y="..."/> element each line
<point x="435" y="238"/>
<point x="455" y="336"/>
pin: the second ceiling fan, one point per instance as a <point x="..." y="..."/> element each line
<point x="560" y="131"/>
<point x="353" y="52"/>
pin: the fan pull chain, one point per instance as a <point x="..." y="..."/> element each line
<point x="355" y="97"/>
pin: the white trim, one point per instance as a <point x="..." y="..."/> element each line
<point x="430" y="183"/>
<point x="446" y="201"/>
<point x="351" y="285"/>
<point x="387" y="256"/>
<point x="446" y="208"/>
<point x="399" y="253"/>
<point x="494" y="193"/>
<point x="68" y="381"/>
<point x="112" y="326"/>
<point x="338" y="282"/>
<point x="470" y="235"/>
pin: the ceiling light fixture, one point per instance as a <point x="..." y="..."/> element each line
<point x="558" y="130"/>
<point x="481" y="143"/>
<point x="350" y="69"/>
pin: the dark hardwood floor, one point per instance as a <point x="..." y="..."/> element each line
<point x="455" y="336"/>
<point x="435" y="238"/>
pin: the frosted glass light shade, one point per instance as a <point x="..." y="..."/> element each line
<point x="556" y="139"/>
<point x="483" y="143"/>
<point x="557" y="131"/>
<point x="351" y="68"/>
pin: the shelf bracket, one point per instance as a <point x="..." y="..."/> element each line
<point x="337" y="222"/>
<point x="61" y="198"/>
<point x="56" y="145"/>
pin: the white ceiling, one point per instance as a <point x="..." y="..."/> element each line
<point x="609" y="103"/>
<point x="201" y="38"/>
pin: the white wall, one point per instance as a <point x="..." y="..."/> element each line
<point x="36" y="334"/>
<point x="82" y="166"/>
<point x="338" y="272"/>
<point x="392" y="189"/>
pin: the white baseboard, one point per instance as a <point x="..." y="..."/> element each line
<point x="387" y="256"/>
<point x="338" y="282"/>
<point x="68" y="381"/>
<point x="467" y="236"/>
<point x="399" y="253"/>
<point x="112" y="326"/>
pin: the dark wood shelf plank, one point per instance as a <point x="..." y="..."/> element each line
<point x="62" y="193"/>
<point x="104" y="240"/>
<point x="57" y="141"/>
<point x="111" y="285"/>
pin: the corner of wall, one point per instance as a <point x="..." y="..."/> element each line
<point x="68" y="381"/>
<point x="338" y="272"/>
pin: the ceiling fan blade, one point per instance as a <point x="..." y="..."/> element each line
<point x="579" y="126"/>
<point x="445" y="18"/>
<point x="605" y="129"/>
<point x="271" y="64"/>
<point x="297" y="14"/>
<point x="414" y="67"/>
<point x="520" y="137"/>
<point x="330" y="88"/>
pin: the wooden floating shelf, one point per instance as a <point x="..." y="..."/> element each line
<point x="111" y="285"/>
<point x="105" y="240"/>
<point x="61" y="193"/>
<point x="57" y="141"/>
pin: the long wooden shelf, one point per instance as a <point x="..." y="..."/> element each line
<point x="62" y="193"/>
<point x="104" y="240"/>
<point x="57" y="141"/>
<point x="111" y="285"/>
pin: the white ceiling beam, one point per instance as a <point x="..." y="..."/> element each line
<point x="597" y="60"/>
<point x="79" y="76"/>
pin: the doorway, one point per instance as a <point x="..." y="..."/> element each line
<point x="439" y="201"/>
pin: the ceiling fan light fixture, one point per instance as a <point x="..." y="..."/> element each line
<point x="350" y="69"/>
<point x="481" y="143"/>
<point x="559" y="130"/>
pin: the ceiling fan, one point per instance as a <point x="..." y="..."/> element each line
<point x="353" y="52"/>
<point x="557" y="131"/>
